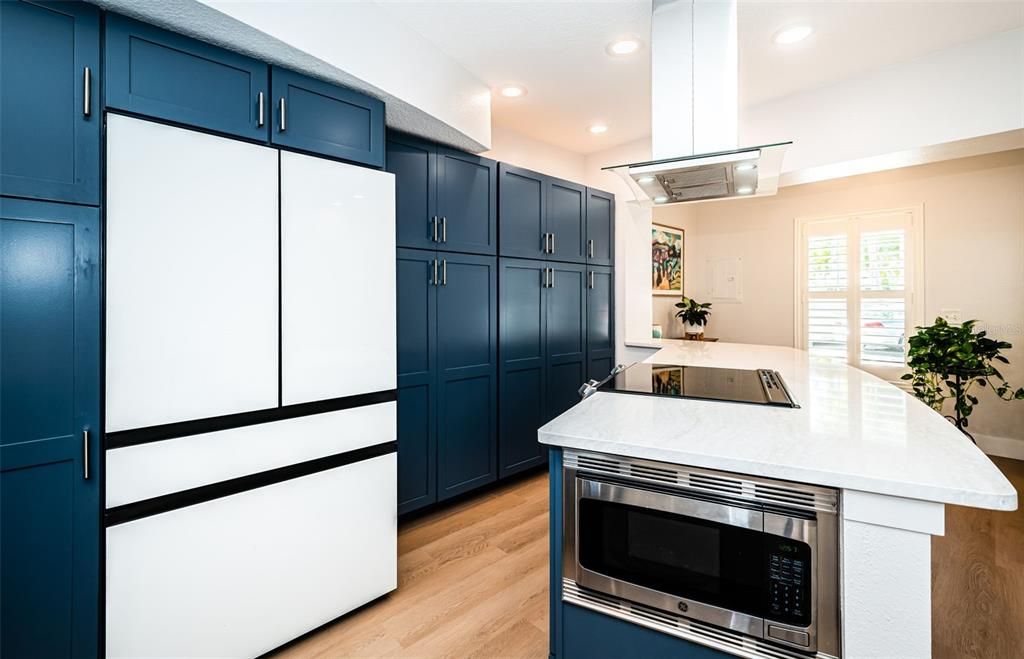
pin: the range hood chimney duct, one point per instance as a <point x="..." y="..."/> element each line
<point x="694" y="107"/>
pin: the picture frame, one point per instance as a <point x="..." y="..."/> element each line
<point x="667" y="254"/>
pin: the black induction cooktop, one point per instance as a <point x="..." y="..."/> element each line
<point x="760" y="386"/>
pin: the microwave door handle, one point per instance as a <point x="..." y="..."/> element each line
<point x="669" y="503"/>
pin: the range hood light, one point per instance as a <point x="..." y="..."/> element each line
<point x="644" y="180"/>
<point x="744" y="190"/>
<point x="745" y="167"/>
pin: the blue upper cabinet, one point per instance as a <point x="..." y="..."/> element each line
<point x="522" y="216"/>
<point x="414" y="163"/>
<point x="318" y="117"/>
<point x="49" y="101"/>
<point x="50" y="397"/>
<point x="467" y="202"/>
<point x="446" y="199"/>
<point x="567" y="220"/>
<point x="600" y="227"/>
<point x="541" y="217"/>
<point x="161" y="74"/>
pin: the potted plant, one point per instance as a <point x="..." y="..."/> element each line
<point x="694" y="314"/>
<point x="947" y="361"/>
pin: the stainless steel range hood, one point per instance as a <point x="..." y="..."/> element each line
<point x="694" y="112"/>
<point x="748" y="172"/>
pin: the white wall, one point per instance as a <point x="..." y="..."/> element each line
<point x="974" y="254"/>
<point x="522" y="151"/>
<point x="972" y="89"/>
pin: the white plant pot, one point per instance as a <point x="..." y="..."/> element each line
<point x="692" y="328"/>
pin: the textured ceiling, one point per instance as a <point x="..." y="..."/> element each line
<point x="557" y="50"/>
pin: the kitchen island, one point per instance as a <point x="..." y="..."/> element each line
<point x="891" y="462"/>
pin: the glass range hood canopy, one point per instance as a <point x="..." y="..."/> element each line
<point x="748" y="172"/>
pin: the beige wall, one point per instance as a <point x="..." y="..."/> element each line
<point x="974" y="253"/>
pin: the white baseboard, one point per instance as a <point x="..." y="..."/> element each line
<point x="1005" y="447"/>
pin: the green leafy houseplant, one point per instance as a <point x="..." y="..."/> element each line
<point x="693" y="312"/>
<point x="947" y="361"/>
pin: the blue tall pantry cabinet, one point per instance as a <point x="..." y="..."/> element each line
<point x="50" y="283"/>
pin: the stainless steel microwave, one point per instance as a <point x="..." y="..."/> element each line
<point x="747" y="554"/>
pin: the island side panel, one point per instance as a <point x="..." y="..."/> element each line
<point x="886" y="575"/>
<point x="555" y="558"/>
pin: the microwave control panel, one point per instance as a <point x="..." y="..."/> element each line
<point x="789" y="582"/>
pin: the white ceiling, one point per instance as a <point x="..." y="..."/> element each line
<point x="557" y="51"/>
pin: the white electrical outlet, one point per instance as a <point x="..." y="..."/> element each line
<point x="952" y="316"/>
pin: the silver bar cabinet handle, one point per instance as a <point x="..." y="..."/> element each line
<point x="434" y="280"/>
<point x="281" y="112"/>
<point x="444" y="229"/>
<point x="259" y="109"/>
<point x="552" y="271"/>
<point x="591" y="279"/>
<point x="552" y="243"/>
<point x="433" y="223"/>
<point x="87" y="92"/>
<point x="590" y="248"/>
<point x="85" y="454"/>
<point x="444" y="272"/>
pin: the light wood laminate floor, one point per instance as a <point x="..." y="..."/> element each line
<point x="472" y="582"/>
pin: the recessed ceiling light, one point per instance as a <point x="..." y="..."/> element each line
<point x="661" y="199"/>
<point x="513" y="91"/>
<point x="744" y="190"/>
<point x="745" y="167"/>
<point x="645" y="179"/>
<point x="792" y="34"/>
<point x="597" y="129"/>
<point x="624" y="47"/>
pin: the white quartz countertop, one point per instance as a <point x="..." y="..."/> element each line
<point x="852" y="430"/>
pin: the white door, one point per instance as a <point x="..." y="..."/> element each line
<point x="337" y="279"/>
<point x="191" y="279"/>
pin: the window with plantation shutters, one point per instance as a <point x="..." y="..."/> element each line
<point x="856" y="287"/>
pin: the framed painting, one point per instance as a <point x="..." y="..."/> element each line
<point x="666" y="260"/>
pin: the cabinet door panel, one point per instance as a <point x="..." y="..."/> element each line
<point x="49" y="393"/>
<point x="323" y="118"/>
<point x="467" y="353"/>
<point x="522" y="212"/>
<point x="600" y="322"/>
<point x="567" y="208"/>
<point x="192" y="279"/>
<point x="49" y="147"/>
<point x="467" y="202"/>
<point x="337" y="279"/>
<point x="162" y="74"/>
<point x="414" y="165"/>
<point x="566" y="336"/>
<point x="601" y="227"/>
<point x="523" y="386"/>
<point x="417" y="380"/>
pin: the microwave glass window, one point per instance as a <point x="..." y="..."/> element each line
<point x="687" y="557"/>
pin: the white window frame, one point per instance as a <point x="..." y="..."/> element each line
<point x="914" y="278"/>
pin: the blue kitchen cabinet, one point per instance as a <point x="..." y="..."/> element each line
<point x="161" y="74"/>
<point x="567" y="221"/>
<point x="447" y="375"/>
<point x="417" y="379"/>
<point x="543" y="353"/>
<point x="318" y="117"/>
<point x="541" y="217"/>
<point x="467" y="358"/>
<point x="49" y="430"/>
<point x="414" y="164"/>
<point x="600" y="227"/>
<point x="50" y="112"/>
<point x="523" y="383"/>
<point x="522" y="218"/>
<point x="600" y="321"/>
<point x="588" y="634"/>
<point x="445" y="199"/>
<point x="467" y="202"/>
<point x="566" y="337"/>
